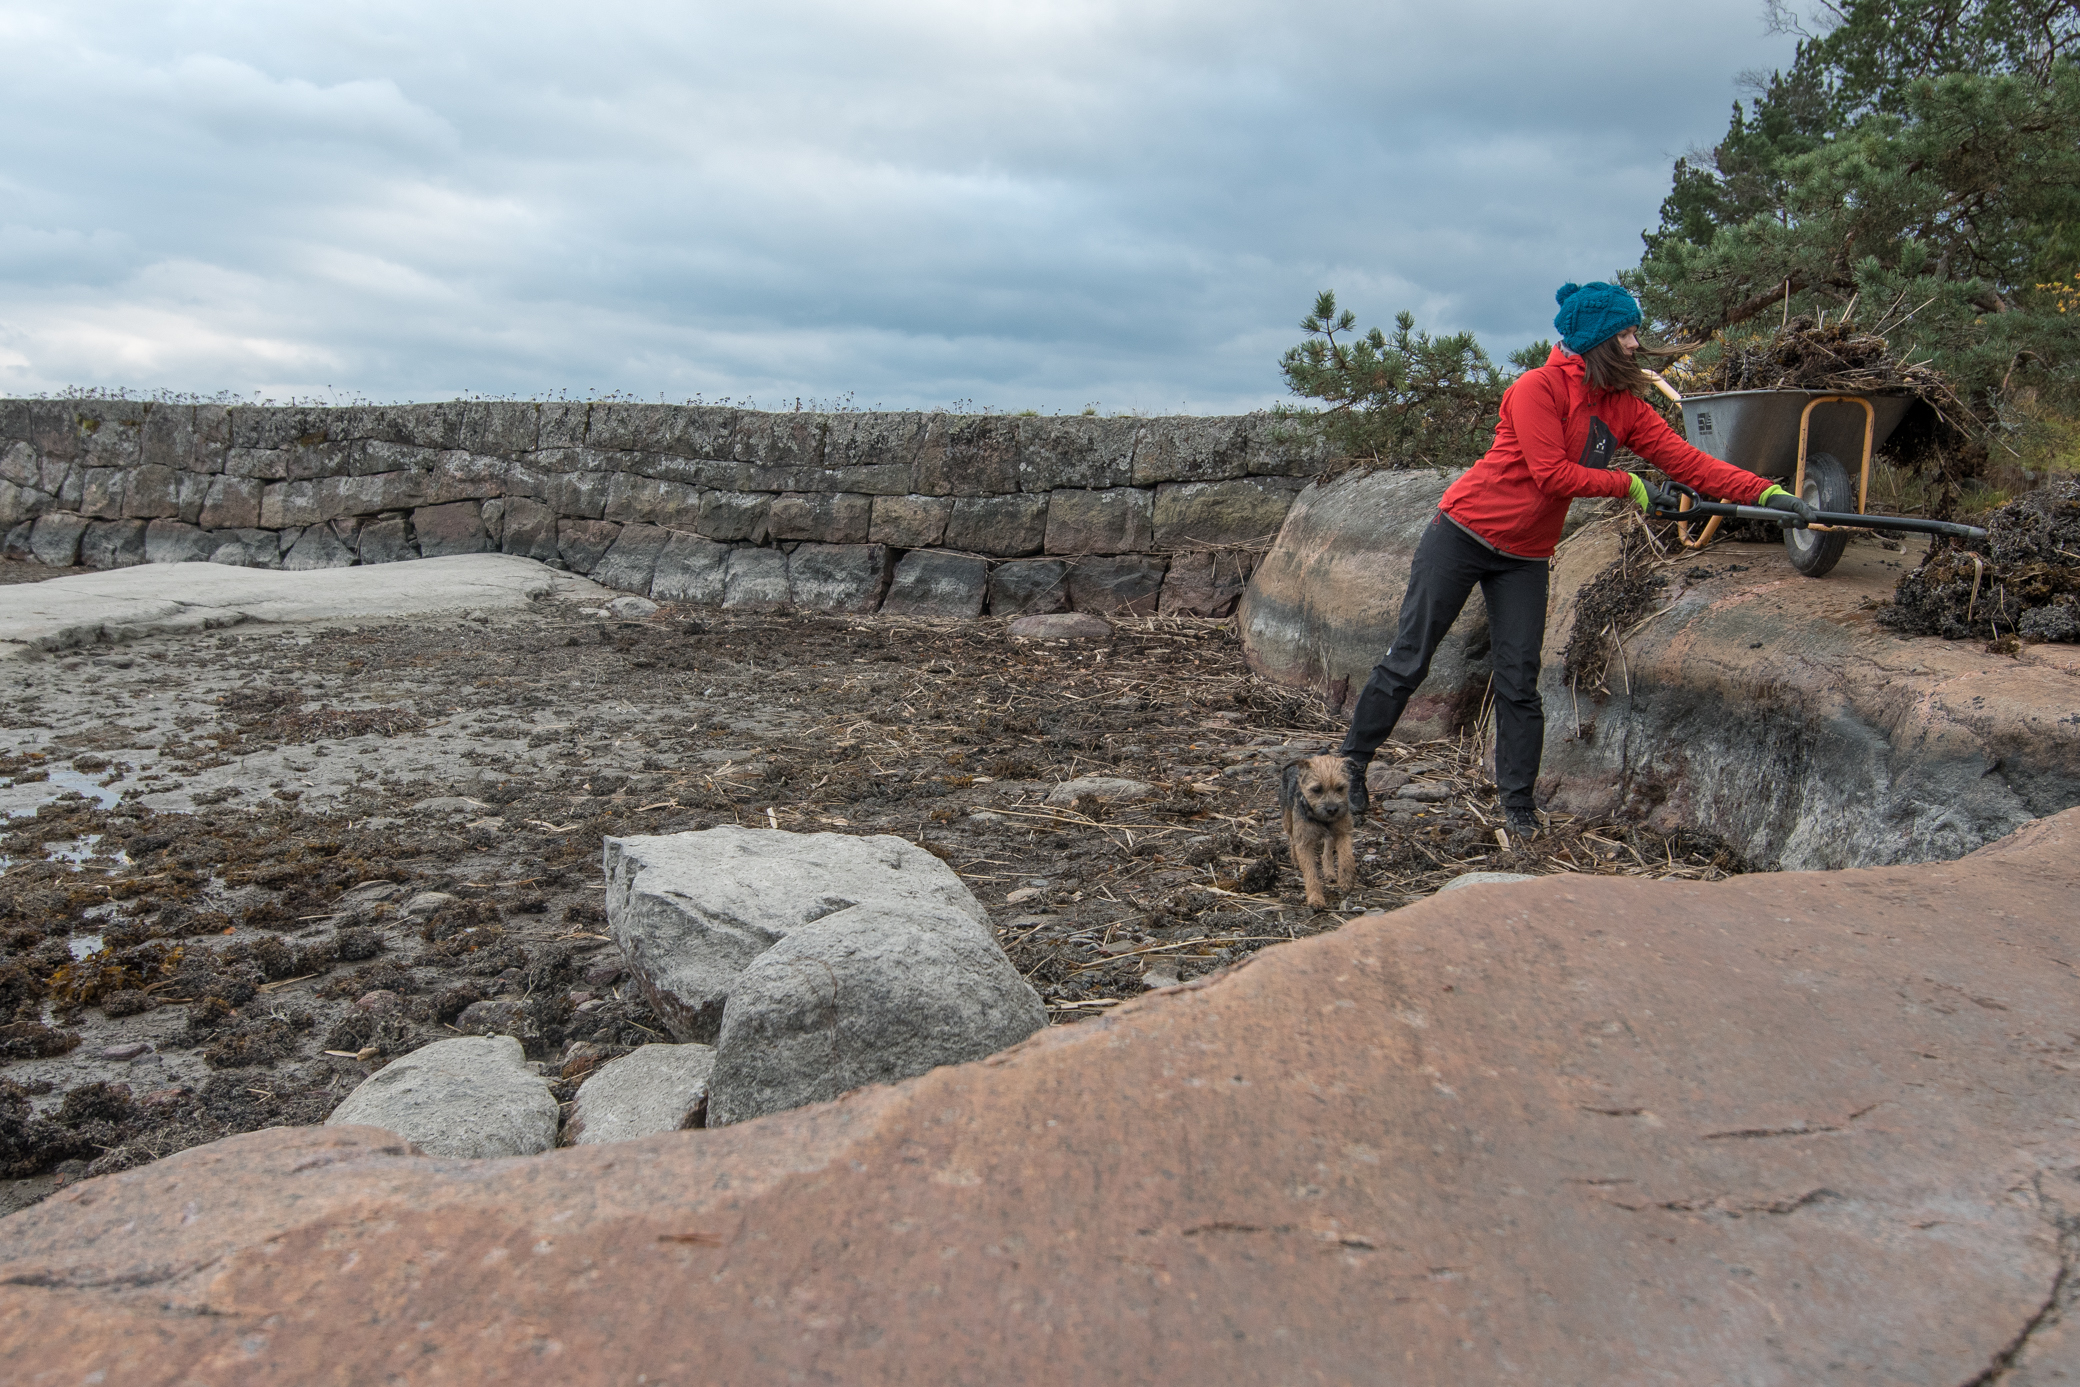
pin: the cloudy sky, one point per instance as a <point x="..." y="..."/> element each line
<point x="1044" y="205"/>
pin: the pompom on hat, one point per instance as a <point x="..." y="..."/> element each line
<point x="1593" y="313"/>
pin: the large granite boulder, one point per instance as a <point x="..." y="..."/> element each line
<point x="868" y="995"/>
<point x="470" y="1097"/>
<point x="1320" y="610"/>
<point x="1807" y="1128"/>
<point x="690" y="911"/>
<point x="1773" y="711"/>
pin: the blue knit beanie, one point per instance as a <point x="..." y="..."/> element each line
<point x="1593" y="313"/>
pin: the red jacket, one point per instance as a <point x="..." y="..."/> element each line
<point x="1516" y="497"/>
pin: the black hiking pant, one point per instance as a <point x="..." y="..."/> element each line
<point x="1447" y="564"/>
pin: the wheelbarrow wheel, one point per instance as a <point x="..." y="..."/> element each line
<point x="1816" y="552"/>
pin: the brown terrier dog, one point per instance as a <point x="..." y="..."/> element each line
<point x="1315" y="795"/>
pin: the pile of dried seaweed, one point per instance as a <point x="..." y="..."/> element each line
<point x="1608" y="608"/>
<point x="2022" y="582"/>
<point x="1814" y="354"/>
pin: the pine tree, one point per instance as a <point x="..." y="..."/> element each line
<point x="1921" y="159"/>
<point x="1409" y="400"/>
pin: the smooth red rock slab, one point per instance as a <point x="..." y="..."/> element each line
<point x="1792" y="1128"/>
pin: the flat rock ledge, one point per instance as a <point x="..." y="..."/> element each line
<point x="1785" y="1128"/>
<point x="1764" y="708"/>
<point x="1773" y="711"/>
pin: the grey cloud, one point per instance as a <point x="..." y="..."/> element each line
<point x="1024" y="206"/>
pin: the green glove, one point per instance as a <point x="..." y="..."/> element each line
<point x="1639" y="491"/>
<point x="1776" y="498"/>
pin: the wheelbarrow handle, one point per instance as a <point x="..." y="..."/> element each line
<point x="1667" y="505"/>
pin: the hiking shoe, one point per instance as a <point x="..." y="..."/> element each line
<point x="1360" y="798"/>
<point x="1523" y="823"/>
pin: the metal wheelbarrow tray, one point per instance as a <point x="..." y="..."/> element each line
<point x="1758" y="429"/>
<point x="1799" y="437"/>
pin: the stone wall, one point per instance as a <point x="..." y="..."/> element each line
<point x="918" y="514"/>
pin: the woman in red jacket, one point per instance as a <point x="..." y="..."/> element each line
<point x="1562" y="424"/>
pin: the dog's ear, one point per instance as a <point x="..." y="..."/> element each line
<point x="1288" y="784"/>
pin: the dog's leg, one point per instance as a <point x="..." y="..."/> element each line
<point x="1304" y="853"/>
<point x="1346" y="861"/>
<point x="1331" y="872"/>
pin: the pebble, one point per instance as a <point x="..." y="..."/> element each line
<point x="580" y="1057"/>
<point x="425" y="903"/>
<point x="382" y="1001"/>
<point x="450" y="804"/>
<point x="1424" y="794"/>
<point x="604" y="974"/>
<point x="126" y="1052"/>
<point x="1163" y="975"/>
<point x="1469" y="879"/>
<point x="1059" y="626"/>
<point x="632" y="608"/>
<point x="1102" y="786"/>
<point x="497" y="1016"/>
<point x="1380" y="778"/>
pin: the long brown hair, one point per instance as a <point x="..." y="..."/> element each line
<point x="1608" y="368"/>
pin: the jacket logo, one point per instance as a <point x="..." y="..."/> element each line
<point x="1602" y="445"/>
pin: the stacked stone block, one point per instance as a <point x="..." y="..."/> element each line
<point x="926" y="514"/>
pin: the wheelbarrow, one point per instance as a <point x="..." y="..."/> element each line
<point x="1796" y="438"/>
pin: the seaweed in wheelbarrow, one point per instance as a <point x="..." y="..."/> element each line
<point x="1814" y="354"/>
